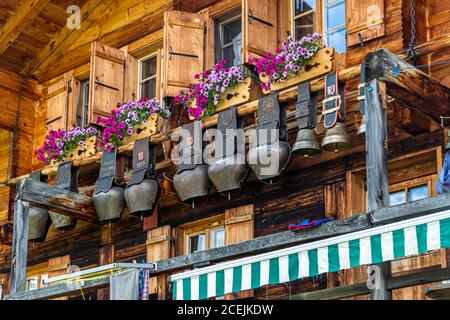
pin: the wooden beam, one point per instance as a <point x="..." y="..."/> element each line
<point x="20" y="243"/>
<point x="361" y="288"/>
<point x="58" y="290"/>
<point x="438" y="292"/>
<point x="377" y="169"/>
<point x="62" y="201"/>
<point x="24" y="15"/>
<point x="407" y="83"/>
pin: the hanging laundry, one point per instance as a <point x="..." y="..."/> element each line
<point x="306" y="224"/>
<point x="443" y="183"/>
<point x="125" y="285"/>
<point x="143" y="282"/>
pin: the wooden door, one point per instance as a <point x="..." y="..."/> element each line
<point x="183" y="50"/>
<point x="106" y="82"/>
<point x="259" y="19"/>
<point x="158" y="248"/>
<point x="239" y="227"/>
<point x="365" y="19"/>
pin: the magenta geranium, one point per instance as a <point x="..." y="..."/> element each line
<point x="202" y="98"/>
<point x="58" y="144"/>
<point x="288" y="60"/>
<point x="121" y="124"/>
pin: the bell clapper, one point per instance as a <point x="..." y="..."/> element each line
<point x="229" y="196"/>
<point x="193" y="204"/>
<point x="142" y="217"/>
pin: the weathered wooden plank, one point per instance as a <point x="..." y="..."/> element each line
<point x="376" y="164"/>
<point x="405" y="82"/>
<point x="331" y="293"/>
<point x="20" y="244"/>
<point x="58" y="290"/>
<point x="438" y="292"/>
<point x="59" y="200"/>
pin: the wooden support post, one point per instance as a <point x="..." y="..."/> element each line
<point x="377" y="170"/>
<point x="20" y="243"/>
<point x="105" y="256"/>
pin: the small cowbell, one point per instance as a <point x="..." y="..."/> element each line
<point x="109" y="200"/>
<point x="191" y="180"/>
<point x="66" y="178"/>
<point x="143" y="190"/>
<point x="306" y="144"/>
<point x="228" y="170"/>
<point x="268" y="158"/>
<point x="336" y="138"/>
<point x="37" y="217"/>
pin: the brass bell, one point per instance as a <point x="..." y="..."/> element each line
<point x="362" y="127"/>
<point x="269" y="160"/>
<point x="192" y="185"/>
<point x="61" y="222"/>
<point x="336" y="138"/>
<point x="306" y="144"/>
<point x="37" y="223"/>
<point x="227" y="174"/>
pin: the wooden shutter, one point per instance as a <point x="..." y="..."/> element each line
<point x="57" y="267"/>
<point x="239" y="227"/>
<point x="106" y="82"/>
<point x="258" y="37"/>
<point x="131" y="77"/>
<point x="62" y="100"/>
<point x="183" y="50"/>
<point x="5" y="141"/>
<point x="158" y="248"/>
<point x="365" y="18"/>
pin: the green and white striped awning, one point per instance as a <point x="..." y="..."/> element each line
<point x="370" y="246"/>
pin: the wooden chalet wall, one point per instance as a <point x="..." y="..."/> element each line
<point x="310" y="189"/>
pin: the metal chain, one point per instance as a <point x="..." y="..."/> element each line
<point x="411" y="51"/>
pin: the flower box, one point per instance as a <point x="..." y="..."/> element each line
<point x="84" y="151"/>
<point x="154" y="124"/>
<point x="321" y="64"/>
<point x="243" y="92"/>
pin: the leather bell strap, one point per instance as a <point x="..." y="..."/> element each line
<point x="191" y="153"/>
<point x="361" y="94"/>
<point x="271" y="116"/>
<point x="227" y="123"/>
<point x="144" y="157"/>
<point x="67" y="177"/>
<point x="334" y="102"/>
<point x="108" y="169"/>
<point x="306" y="108"/>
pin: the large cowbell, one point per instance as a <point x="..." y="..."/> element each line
<point x="37" y="217"/>
<point x="269" y="153"/>
<point x="109" y="200"/>
<point x="306" y="144"/>
<point x="66" y="178"/>
<point x="191" y="180"/>
<point x="228" y="169"/>
<point x="143" y="190"/>
<point x="336" y="137"/>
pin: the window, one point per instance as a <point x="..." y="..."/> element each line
<point x="32" y="283"/>
<point x="409" y="194"/>
<point x="82" y="108"/>
<point x="334" y="24"/>
<point x="322" y="16"/>
<point x="229" y="40"/>
<point x="304" y="12"/>
<point x="204" y="234"/>
<point x="147" y="76"/>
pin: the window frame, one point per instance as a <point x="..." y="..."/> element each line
<point x="204" y="226"/>
<point x="220" y="47"/>
<point x="155" y="76"/>
<point x="83" y="104"/>
<point x="326" y="31"/>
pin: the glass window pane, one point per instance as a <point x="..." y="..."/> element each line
<point x="335" y="15"/>
<point x="148" y="89"/>
<point x="231" y="42"/>
<point x="418" y="193"/>
<point x="396" y="198"/>
<point x="337" y="40"/>
<point x="217" y="238"/>
<point x="197" y="243"/>
<point x="231" y="31"/>
<point x="148" y="68"/>
<point x="32" y="283"/>
<point x="304" y="25"/>
<point x="301" y="6"/>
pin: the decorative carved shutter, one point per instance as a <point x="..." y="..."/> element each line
<point x="57" y="267"/>
<point x="259" y="27"/>
<point x="106" y="82"/>
<point x="158" y="248"/>
<point x="365" y="18"/>
<point x="239" y="227"/>
<point x="184" y="35"/>
<point x="60" y="101"/>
